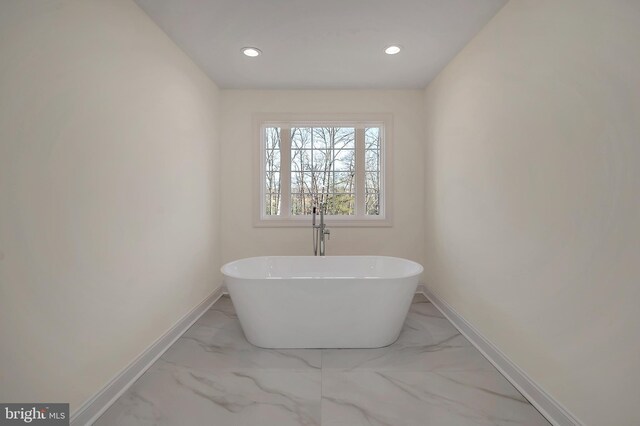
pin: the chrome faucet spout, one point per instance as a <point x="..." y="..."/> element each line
<point x="319" y="230"/>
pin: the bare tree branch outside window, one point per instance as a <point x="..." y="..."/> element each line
<point x="323" y="169"/>
<point x="272" y="171"/>
<point x="372" y="170"/>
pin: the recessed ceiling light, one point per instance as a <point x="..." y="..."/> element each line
<point x="251" y="52"/>
<point x="392" y="50"/>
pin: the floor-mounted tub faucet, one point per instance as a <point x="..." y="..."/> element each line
<point x="319" y="231"/>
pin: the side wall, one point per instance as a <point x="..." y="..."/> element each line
<point x="241" y="239"/>
<point x="108" y="193"/>
<point x="533" y="196"/>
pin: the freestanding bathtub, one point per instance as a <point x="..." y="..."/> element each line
<point x="321" y="302"/>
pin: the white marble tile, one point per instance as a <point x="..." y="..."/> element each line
<point x="213" y="376"/>
<point x="228" y="350"/>
<point x="216" y="342"/>
<point x="220" y="314"/>
<point x="419" y="298"/>
<point x="451" y="354"/>
<point x="425" y="325"/>
<point x="169" y="395"/>
<point x="428" y="342"/>
<point x="403" y="398"/>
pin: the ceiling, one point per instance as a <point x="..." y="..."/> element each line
<point x="321" y="44"/>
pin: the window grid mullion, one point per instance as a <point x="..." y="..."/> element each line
<point x="285" y="172"/>
<point x="358" y="191"/>
<point x="360" y="173"/>
<point x="314" y="175"/>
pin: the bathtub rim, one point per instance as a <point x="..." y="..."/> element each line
<point x="419" y="270"/>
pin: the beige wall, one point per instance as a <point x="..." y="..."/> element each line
<point x="241" y="239"/>
<point x="108" y="193"/>
<point x="533" y="196"/>
<point x="109" y="212"/>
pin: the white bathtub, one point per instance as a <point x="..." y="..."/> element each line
<point x="321" y="302"/>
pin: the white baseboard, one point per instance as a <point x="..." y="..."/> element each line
<point x="98" y="404"/>
<point x="549" y="407"/>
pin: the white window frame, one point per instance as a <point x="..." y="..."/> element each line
<point x="288" y="120"/>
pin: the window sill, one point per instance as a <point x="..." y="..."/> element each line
<point x="305" y="222"/>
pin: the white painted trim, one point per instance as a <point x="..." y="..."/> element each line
<point x="95" y="406"/>
<point x="357" y="120"/>
<point x="360" y="165"/>
<point x="285" y="170"/>
<point x="305" y="222"/>
<point x="551" y="409"/>
<point x="98" y="404"/>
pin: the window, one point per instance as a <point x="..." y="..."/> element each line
<point x="343" y="163"/>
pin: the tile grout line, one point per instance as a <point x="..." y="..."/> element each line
<point x="321" y="384"/>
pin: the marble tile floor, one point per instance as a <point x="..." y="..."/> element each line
<point x="431" y="376"/>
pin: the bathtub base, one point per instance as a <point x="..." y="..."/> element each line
<point x="363" y="311"/>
